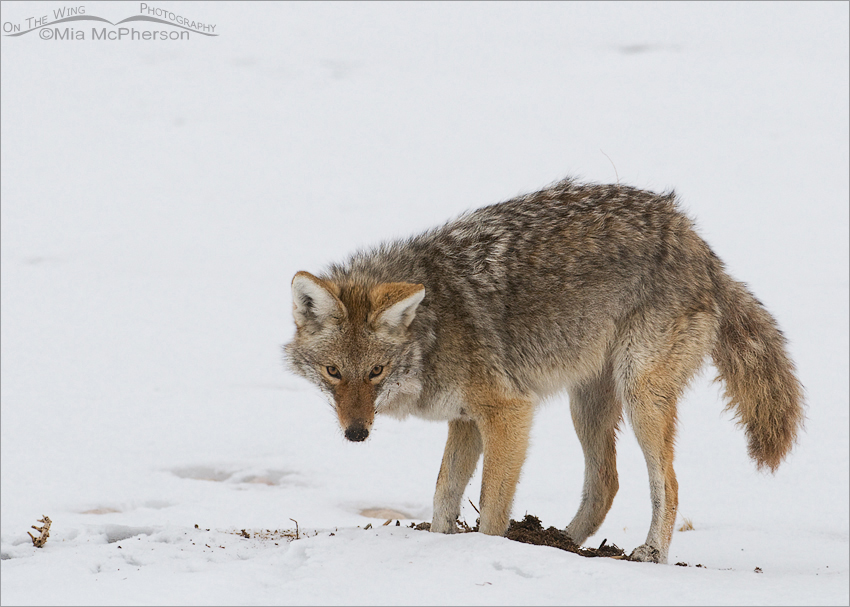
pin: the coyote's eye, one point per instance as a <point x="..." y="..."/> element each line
<point x="333" y="371"/>
<point x="376" y="371"/>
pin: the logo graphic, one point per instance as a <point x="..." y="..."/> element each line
<point x="180" y="26"/>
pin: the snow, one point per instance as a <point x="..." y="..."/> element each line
<point x="157" y="198"/>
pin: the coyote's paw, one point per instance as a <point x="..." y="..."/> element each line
<point x="647" y="554"/>
<point x="575" y="537"/>
<point x="438" y="526"/>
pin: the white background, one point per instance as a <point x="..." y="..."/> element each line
<point x="157" y="198"/>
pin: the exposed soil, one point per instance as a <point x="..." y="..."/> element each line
<point x="530" y="531"/>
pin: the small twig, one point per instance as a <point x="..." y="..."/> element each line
<point x="40" y="541"/>
<point x="297" y="536"/>
<point x="687" y="524"/>
<point x="473" y="505"/>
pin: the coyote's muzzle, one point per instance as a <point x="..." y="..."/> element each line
<point x="355" y="406"/>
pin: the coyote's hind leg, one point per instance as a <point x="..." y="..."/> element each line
<point x="596" y="412"/>
<point x="654" y="365"/>
<point x="654" y="424"/>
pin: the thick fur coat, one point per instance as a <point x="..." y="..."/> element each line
<point x="605" y="292"/>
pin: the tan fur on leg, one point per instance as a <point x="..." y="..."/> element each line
<point x="505" y="425"/>
<point x="463" y="448"/>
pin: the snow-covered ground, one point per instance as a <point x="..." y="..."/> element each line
<point x="158" y="196"/>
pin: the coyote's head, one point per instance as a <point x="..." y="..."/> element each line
<point x="353" y="342"/>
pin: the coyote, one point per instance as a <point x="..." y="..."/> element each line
<point x="606" y="292"/>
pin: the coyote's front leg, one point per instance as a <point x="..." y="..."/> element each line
<point x="463" y="448"/>
<point x="504" y="427"/>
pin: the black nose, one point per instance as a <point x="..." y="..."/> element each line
<point x="356" y="433"/>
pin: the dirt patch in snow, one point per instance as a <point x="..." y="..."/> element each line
<point x="530" y="531"/>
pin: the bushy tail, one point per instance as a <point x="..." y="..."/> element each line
<point x="761" y="384"/>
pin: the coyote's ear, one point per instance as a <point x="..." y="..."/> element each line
<point x="394" y="304"/>
<point x="313" y="302"/>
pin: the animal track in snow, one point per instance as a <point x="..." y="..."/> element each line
<point x="252" y="476"/>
